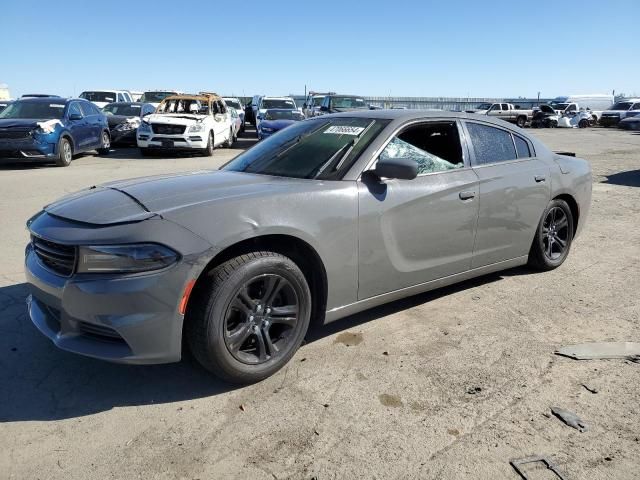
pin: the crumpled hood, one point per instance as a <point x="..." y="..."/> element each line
<point x="174" y="118"/>
<point x="19" y="122"/>
<point x="115" y="120"/>
<point x="142" y="198"/>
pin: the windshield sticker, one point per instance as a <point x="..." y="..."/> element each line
<point x="344" y="130"/>
<point x="55" y="105"/>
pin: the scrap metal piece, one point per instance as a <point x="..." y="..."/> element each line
<point x="570" y="419"/>
<point x="518" y="462"/>
<point x="600" y="350"/>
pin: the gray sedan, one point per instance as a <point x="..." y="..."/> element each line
<point x="331" y="216"/>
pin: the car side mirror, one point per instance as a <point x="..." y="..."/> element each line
<point x="400" y="168"/>
<point x="324" y="108"/>
<point x="75" y="116"/>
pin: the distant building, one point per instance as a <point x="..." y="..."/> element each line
<point x="4" y="91"/>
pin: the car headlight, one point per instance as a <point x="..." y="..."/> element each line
<point x="198" y="127"/>
<point x="144" y="127"/>
<point x="143" y="257"/>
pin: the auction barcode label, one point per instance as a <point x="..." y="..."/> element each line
<point x="344" y="130"/>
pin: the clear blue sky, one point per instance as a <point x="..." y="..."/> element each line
<point x="475" y="48"/>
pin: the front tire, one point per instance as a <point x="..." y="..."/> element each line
<point x="521" y="121"/>
<point x="553" y="238"/>
<point x="208" y="151"/>
<point x="105" y="141"/>
<point x="65" y="153"/>
<point x="249" y="317"/>
<point x="229" y="142"/>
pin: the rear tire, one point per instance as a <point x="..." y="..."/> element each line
<point x="65" y="152"/>
<point x="521" y="121"/>
<point x="249" y="316"/>
<point x="553" y="123"/>
<point x="584" y="123"/>
<point x="553" y="237"/>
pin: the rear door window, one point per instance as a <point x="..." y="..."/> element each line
<point x="522" y="147"/>
<point x="491" y="144"/>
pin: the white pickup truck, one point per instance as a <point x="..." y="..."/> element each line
<point x="572" y="109"/>
<point x="505" y="111"/>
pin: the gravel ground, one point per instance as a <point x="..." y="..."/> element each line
<point x="450" y="384"/>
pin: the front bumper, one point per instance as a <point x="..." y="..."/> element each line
<point x="27" y="149"/>
<point x="127" y="137"/>
<point x="186" y="141"/>
<point x="609" y="121"/>
<point x="123" y="318"/>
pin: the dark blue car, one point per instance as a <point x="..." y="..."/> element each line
<point x="275" y="119"/>
<point x="52" y="129"/>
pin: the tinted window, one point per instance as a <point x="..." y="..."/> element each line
<point x="277" y="103"/>
<point x="122" y="109"/>
<point x="522" y="147"/>
<point x="86" y="109"/>
<point x="505" y="106"/>
<point x="491" y="144"/>
<point x="99" y="96"/>
<point x="323" y="148"/>
<point x="621" y="106"/>
<point x="37" y="110"/>
<point x="74" y="109"/>
<point x="636" y="107"/>
<point x="434" y="146"/>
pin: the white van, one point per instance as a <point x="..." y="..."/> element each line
<point x="623" y="108"/>
<point x="572" y="104"/>
<point x="102" y="97"/>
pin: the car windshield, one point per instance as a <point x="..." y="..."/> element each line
<point x="35" y="110"/>
<point x="484" y="106"/>
<point x="558" y="106"/>
<point x="283" y="115"/>
<point x="233" y="104"/>
<point x="125" y="109"/>
<point x="317" y="101"/>
<point x="621" y="106"/>
<point x="183" y="105"/>
<point x="155" y="97"/>
<point x="99" y="96"/>
<point x="348" y="102"/>
<point x="278" y="103"/>
<point x="323" y="148"/>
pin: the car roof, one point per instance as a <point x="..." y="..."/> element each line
<point x="47" y="99"/>
<point x="408" y="115"/>
<point x="203" y="96"/>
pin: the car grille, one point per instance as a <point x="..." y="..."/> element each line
<point x="15" y="133"/>
<point x="165" y="129"/>
<point x="59" y="258"/>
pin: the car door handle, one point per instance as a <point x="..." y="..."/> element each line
<point x="540" y="178"/>
<point x="467" y="195"/>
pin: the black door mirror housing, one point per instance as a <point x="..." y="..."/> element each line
<point x="75" y="116"/>
<point x="400" y="168"/>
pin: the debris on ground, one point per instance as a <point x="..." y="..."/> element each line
<point x="474" y="390"/>
<point x="570" y="419"/>
<point x="520" y="462"/>
<point x="590" y="389"/>
<point x="243" y="407"/>
<point x="600" y="350"/>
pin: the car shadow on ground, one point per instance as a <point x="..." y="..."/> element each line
<point x="630" y="178"/>
<point x="42" y="383"/>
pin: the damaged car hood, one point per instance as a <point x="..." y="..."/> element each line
<point x="175" y="118"/>
<point x="142" y="198"/>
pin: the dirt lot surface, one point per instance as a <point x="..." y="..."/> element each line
<point x="448" y="385"/>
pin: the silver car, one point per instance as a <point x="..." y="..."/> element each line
<point x="331" y="216"/>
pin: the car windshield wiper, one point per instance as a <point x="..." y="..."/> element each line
<point x="349" y="146"/>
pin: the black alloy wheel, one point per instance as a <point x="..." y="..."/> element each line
<point x="261" y="318"/>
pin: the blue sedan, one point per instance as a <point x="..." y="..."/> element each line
<point x="52" y="129"/>
<point x="275" y="119"/>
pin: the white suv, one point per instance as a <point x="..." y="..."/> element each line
<point x="100" y="98"/>
<point x="187" y="122"/>
<point x="273" y="102"/>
